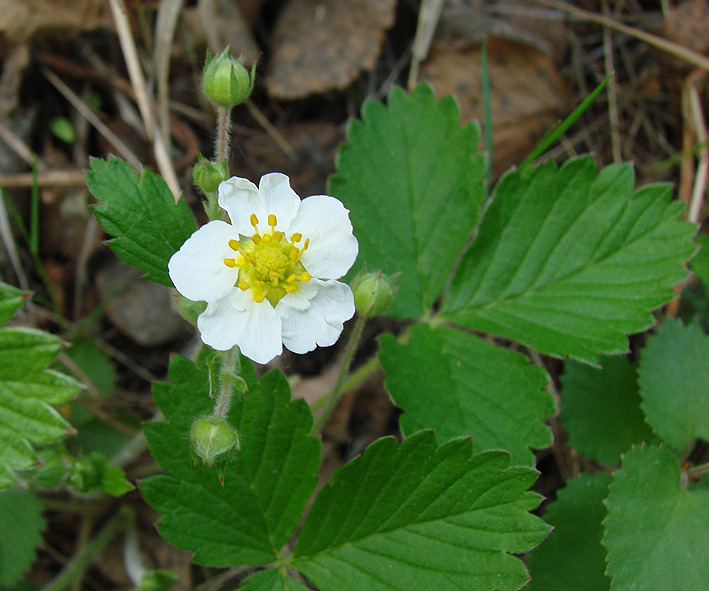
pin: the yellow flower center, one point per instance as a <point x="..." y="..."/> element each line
<point x="268" y="264"/>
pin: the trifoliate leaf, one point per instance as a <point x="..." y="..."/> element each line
<point x="459" y="385"/>
<point x="271" y="580"/>
<point x="27" y="393"/>
<point x="569" y="261"/>
<point x="412" y="179"/>
<point x="140" y="212"/>
<point x="700" y="263"/>
<point x="21" y="525"/>
<point x="656" y="531"/>
<point x="418" y="516"/>
<point x="266" y="487"/>
<point x="674" y="383"/>
<point x="11" y="299"/>
<point x="600" y="409"/>
<point x="573" y="557"/>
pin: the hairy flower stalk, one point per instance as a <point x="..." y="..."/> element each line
<point x="270" y="277"/>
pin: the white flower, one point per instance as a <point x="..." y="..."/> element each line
<point x="269" y="277"/>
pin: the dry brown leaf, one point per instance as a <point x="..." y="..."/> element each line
<point x="688" y="25"/>
<point x="22" y="19"/>
<point x="321" y="45"/>
<point x="527" y="95"/>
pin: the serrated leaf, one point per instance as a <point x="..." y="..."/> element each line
<point x="459" y="385"/>
<point x="569" y="261"/>
<point x="271" y="580"/>
<point x="700" y="263"/>
<point x="27" y="393"/>
<point x="21" y="524"/>
<point x="139" y="211"/>
<point x="413" y="182"/>
<point x="600" y="409"/>
<point x="11" y="299"/>
<point x="418" y="516"/>
<point x="266" y="487"/>
<point x="655" y="531"/>
<point x="674" y="383"/>
<point x="573" y="557"/>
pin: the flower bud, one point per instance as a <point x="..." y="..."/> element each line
<point x="208" y="175"/>
<point x="226" y="81"/>
<point x="213" y="438"/>
<point x="372" y="293"/>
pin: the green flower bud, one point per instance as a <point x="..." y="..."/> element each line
<point x="372" y="293"/>
<point x="213" y="438"/>
<point x="208" y="175"/>
<point x="226" y="81"/>
<point x="87" y="472"/>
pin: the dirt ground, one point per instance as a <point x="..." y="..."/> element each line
<point x="66" y="94"/>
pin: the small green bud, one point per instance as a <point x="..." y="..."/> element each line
<point x="226" y="81"/>
<point x="87" y="472"/>
<point x="213" y="438"/>
<point x="208" y="175"/>
<point x="372" y="293"/>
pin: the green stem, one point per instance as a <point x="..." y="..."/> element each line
<point x="83" y="558"/>
<point x="223" y="133"/>
<point x="228" y="370"/>
<point x="339" y="388"/>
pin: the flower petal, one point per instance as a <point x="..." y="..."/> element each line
<point x="240" y="198"/>
<point x="331" y="304"/>
<point x="279" y="199"/>
<point x="238" y="320"/>
<point x="197" y="270"/>
<point x="333" y="248"/>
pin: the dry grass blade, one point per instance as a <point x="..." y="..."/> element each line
<point x="428" y="19"/>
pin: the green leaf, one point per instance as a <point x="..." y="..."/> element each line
<point x="418" y="516"/>
<point x="140" y="212"/>
<point x="655" y="531"/>
<point x="21" y="525"/>
<point x="600" y="409"/>
<point x="412" y="180"/>
<point x="271" y="580"/>
<point x="700" y="263"/>
<point x="459" y="385"/>
<point x="569" y="261"/>
<point x="266" y="487"/>
<point x="27" y="393"/>
<point x="11" y="299"/>
<point x="674" y="383"/>
<point x="573" y="557"/>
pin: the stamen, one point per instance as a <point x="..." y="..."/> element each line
<point x="259" y="298"/>
<point x="271" y="220"/>
<point x="293" y="254"/>
<point x="230" y="263"/>
<point x="291" y="279"/>
<point x="256" y="239"/>
<point x="249" y="259"/>
<point x="307" y="243"/>
<point x="297" y="237"/>
<point x="266" y="238"/>
<point x="278" y="235"/>
<point x="243" y="285"/>
<point x="234" y="244"/>
<point x="305" y="277"/>
<point x="254" y="220"/>
<point x="290" y="288"/>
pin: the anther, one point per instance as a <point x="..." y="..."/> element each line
<point x="297" y="237"/>
<point x="293" y="254"/>
<point x="243" y="285"/>
<point x="256" y="239"/>
<point x="291" y="279"/>
<point x="290" y="288"/>
<point x="234" y="244"/>
<point x="278" y="235"/>
<point x="271" y="220"/>
<point x="307" y="243"/>
<point x="230" y="263"/>
<point x="254" y="220"/>
<point x="305" y="277"/>
<point x="259" y="298"/>
<point x="266" y="238"/>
